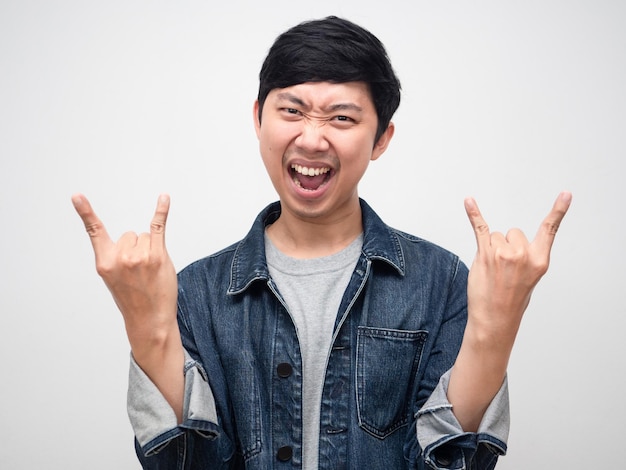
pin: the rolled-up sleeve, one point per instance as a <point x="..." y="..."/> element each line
<point x="446" y="446"/>
<point x="153" y="419"/>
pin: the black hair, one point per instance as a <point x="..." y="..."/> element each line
<point x="332" y="50"/>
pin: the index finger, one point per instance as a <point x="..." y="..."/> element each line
<point x="157" y="225"/>
<point x="94" y="226"/>
<point x="550" y="225"/>
<point x="481" y="229"/>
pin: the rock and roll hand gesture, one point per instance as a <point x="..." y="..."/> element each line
<point x="507" y="268"/>
<point x="501" y="280"/>
<point x="141" y="277"/>
<point x="137" y="269"/>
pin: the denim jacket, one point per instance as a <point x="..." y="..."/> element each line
<point x="397" y="333"/>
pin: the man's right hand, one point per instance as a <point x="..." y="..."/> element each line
<point x="137" y="269"/>
<point x="142" y="279"/>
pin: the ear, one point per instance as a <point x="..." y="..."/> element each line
<point x="383" y="142"/>
<point x="255" y="117"/>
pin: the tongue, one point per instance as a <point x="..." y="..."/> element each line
<point x="311" y="182"/>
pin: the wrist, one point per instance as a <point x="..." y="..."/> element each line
<point x="487" y="347"/>
<point x="154" y="339"/>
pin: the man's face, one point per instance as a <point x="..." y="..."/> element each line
<point x="316" y="140"/>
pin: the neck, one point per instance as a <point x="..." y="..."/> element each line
<point x="312" y="238"/>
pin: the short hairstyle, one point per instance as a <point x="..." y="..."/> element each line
<point x="332" y="50"/>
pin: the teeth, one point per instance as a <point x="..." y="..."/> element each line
<point x="303" y="170"/>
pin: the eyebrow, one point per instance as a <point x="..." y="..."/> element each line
<point x="332" y="108"/>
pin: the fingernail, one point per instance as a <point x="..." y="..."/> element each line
<point x="566" y="197"/>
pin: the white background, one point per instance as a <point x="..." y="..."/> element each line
<point x="510" y="102"/>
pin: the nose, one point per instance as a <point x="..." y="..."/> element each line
<point x="312" y="137"/>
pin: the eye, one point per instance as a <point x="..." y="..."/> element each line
<point x="290" y="114"/>
<point x="342" y="121"/>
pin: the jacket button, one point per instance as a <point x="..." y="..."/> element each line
<point x="285" y="453"/>
<point x="284" y="370"/>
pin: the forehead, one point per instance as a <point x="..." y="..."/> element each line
<point x="325" y="95"/>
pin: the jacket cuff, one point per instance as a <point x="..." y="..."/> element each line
<point x="153" y="419"/>
<point x="446" y="446"/>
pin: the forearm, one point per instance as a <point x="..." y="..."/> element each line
<point x="500" y="283"/>
<point x="478" y="374"/>
<point x="160" y="354"/>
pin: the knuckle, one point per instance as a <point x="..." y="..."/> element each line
<point x="104" y="269"/>
<point x="512" y="254"/>
<point x="481" y="227"/>
<point x="501" y="256"/>
<point x="514" y="232"/>
<point x="551" y="226"/>
<point x="133" y="259"/>
<point x="541" y="266"/>
<point x="157" y="227"/>
<point x="93" y="229"/>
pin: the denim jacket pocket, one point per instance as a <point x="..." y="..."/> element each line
<point x="387" y="361"/>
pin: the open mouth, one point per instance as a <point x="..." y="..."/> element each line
<point x="309" y="179"/>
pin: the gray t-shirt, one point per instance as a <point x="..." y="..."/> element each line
<point x="313" y="289"/>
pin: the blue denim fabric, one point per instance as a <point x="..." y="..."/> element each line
<point x="397" y="333"/>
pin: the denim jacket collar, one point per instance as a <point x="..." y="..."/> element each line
<point x="249" y="265"/>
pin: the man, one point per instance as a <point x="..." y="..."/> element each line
<point x="324" y="339"/>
